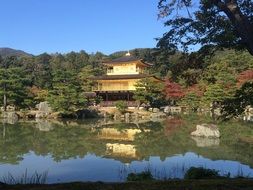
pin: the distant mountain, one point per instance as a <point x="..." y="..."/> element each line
<point x="4" y="52"/>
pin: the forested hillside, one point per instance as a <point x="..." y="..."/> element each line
<point x="194" y="79"/>
<point x="4" y="52"/>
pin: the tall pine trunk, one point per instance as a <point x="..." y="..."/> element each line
<point x="242" y="24"/>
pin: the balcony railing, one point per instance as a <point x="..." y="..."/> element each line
<point x="113" y="87"/>
<point x="112" y="103"/>
<point x="109" y="71"/>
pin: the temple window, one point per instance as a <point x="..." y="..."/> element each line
<point x="110" y="70"/>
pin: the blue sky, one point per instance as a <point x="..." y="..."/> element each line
<point x="38" y="26"/>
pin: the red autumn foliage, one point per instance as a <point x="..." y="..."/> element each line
<point x="196" y="89"/>
<point x="173" y="90"/>
<point x="245" y="76"/>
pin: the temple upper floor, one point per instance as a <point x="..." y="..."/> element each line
<point x="126" y="65"/>
<point x="125" y="69"/>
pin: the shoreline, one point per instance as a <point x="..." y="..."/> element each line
<point x="211" y="184"/>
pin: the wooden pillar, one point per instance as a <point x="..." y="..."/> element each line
<point x="106" y="96"/>
<point x="128" y="96"/>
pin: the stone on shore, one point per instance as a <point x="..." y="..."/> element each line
<point x="9" y="117"/>
<point x="9" y="108"/>
<point x="158" y="115"/>
<point x="172" y="109"/>
<point x="44" y="110"/>
<point x="156" y="110"/>
<point x="44" y="107"/>
<point x="166" y="109"/>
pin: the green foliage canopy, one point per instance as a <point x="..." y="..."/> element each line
<point x="236" y="105"/>
<point x="149" y="92"/>
<point x="66" y="95"/>
<point x="13" y="84"/>
<point x="224" y="23"/>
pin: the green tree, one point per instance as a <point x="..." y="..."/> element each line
<point x="226" y="23"/>
<point x="215" y="94"/>
<point x="121" y="106"/>
<point x="85" y="76"/>
<point x="13" y="83"/>
<point x="192" y="96"/>
<point x="57" y="62"/>
<point x="236" y="105"/>
<point x="42" y="76"/>
<point x="192" y="100"/>
<point x="163" y="61"/>
<point x="191" y="76"/>
<point x="149" y="92"/>
<point x="95" y="60"/>
<point x="226" y="65"/>
<point x="220" y="79"/>
<point x="66" y="95"/>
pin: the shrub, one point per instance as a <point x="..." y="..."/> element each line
<point x="36" y="178"/>
<point x="121" y="106"/>
<point x="201" y="173"/>
<point x="143" y="176"/>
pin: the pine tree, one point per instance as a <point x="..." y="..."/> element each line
<point x="13" y="83"/>
<point x="66" y="95"/>
<point x="149" y="92"/>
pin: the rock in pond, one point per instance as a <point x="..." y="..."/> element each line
<point x="166" y="109"/>
<point x="9" y="115"/>
<point x="207" y="130"/>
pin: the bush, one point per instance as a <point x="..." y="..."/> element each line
<point x="36" y="178"/>
<point x="143" y="176"/>
<point x="201" y="173"/>
<point x="121" y="106"/>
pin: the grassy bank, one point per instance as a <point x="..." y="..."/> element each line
<point x="222" y="184"/>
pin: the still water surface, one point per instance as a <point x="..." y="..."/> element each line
<point x="108" y="151"/>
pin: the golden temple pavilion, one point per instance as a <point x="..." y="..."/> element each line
<point x="120" y="79"/>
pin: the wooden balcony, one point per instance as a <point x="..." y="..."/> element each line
<point x="112" y="103"/>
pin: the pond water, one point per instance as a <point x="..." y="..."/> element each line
<point x="100" y="150"/>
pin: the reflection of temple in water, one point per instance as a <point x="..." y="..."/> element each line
<point x="126" y="152"/>
<point x="121" y="150"/>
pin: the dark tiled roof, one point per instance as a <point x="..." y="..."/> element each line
<point x="117" y="77"/>
<point x="123" y="59"/>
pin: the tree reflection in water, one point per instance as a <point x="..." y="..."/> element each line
<point x="132" y="144"/>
